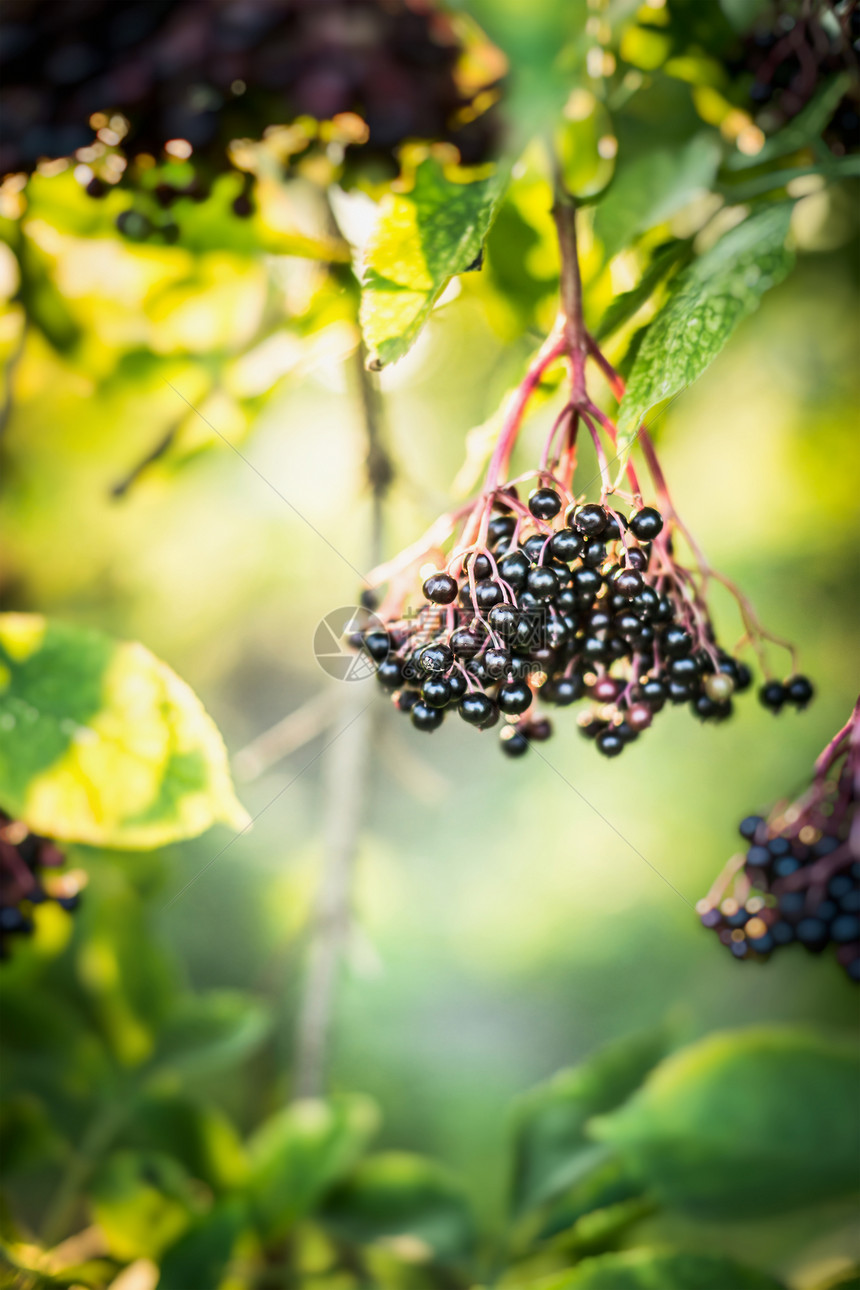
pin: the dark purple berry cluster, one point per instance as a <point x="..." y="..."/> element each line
<point x="112" y="84"/>
<point x="798" y="882"/>
<point x="783" y="64"/>
<point x="559" y="603"/>
<point x="26" y="860"/>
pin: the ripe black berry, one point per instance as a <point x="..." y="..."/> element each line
<point x="465" y="643"/>
<point x="544" y="503"/>
<point x="501" y="526"/>
<point x="497" y="662"/>
<point x="646" y="524"/>
<point x="424" y="717"/>
<point x="441" y="589"/>
<point x="676" y="641"/>
<point x="628" y="582"/>
<point x="514" y="697"/>
<point x="543" y="583"/>
<point x="514" y="569"/>
<point x="377" y="645"/>
<point x="436" y="692"/>
<point x="513" y="743"/>
<point x="799" y="690"/>
<point x="749" y="826"/>
<point x="389" y="673"/>
<point x="567" y="689"/>
<point x="565" y="545"/>
<point x="503" y="619"/>
<point x="773" y="695"/>
<point x="435" y="658"/>
<point x="477" y="709"/>
<point x="589" y="518"/>
<point x="488" y="593"/>
<point x="609" y="742"/>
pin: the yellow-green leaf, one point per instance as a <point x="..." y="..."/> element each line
<point x="100" y="742"/>
<point x="421" y="240"/>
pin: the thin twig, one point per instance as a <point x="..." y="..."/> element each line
<point x="345" y="794"/>
<point x="289" y="734"/>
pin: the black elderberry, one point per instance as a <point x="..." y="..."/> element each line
<point x="514" y="697"/>
<point x="678" y="691"/>
<point x="625" y="731"/>
<point x="424" y="717"/>
<point x="779" y="847"/>
<point x="565" y="545"/>
<point x="683" y="669"/>
<point x="676" y="641"/>
<point x="566" y="601"/>
<point x="792" y="905"/>
<point x="646" y="602"/>
<point x="785" y="866"/>
<point x="477" y="668"/>
<point x="543" y="583"/>
<point x="488" y="593"/>
<point x="773" y="695"/>
<point x="377" y="645"/>
<point x="440" y="588"/>
<point x="501" y="526"/>
<point x="567" y="689"/>
<point x="628" y="582"/>
<point x="497" y="662"/>
<point x="589" y="518"/>
<point x="813" y="933"/>
<point x="646" y="524"/>
<point x="628" y="624"/>
<point x="614" y="525"/>
<point x="436" y="692"/>
<point x="544" y="503"/>
<point x="480" y="566"/>
<point x="587" y="583"/>
<point x="594" y="648"/>
<point x="456" y="684"/>
<point x="538" y="731"/>
<point x="556" y="633"/>
<point x="389" y="673"/>
<point x="477" y="709"/>
<point x="435" y="658"/>
<point x="800" y="691"/>
<point x="654" y="694"/>
<point x="749" y="826"/>
<point x="645" y="637"/>
<point x="839" y="886"/>
<point x="782" y="932"/>
<point x="743" y="676"/>
<point x="514" y="569"/>
<point x="845" y="928"/>
<point x="503" y="619"/>
<point x="534" y="547"/>
<point x="406" y="699"/>
<point x="637" y="558"/>
<point x="758" y="857"/>
<point x="594" y="554"/>
<point x="609" y="742"/>
<point x="464" y="642"/>
<point x="598" y="620"/>
<point x="513" y="743"/>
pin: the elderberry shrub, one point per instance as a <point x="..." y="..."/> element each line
<point x="564" y="602"/>
<point x="24" y="883"/>
<point x="798" y="882"/>
<point x="118" y="82"/>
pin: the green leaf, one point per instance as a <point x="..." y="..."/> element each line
<point x="142" y="1201"/>
<point x="422" y="238"/>
<point x="396" y="1194"/>
<point x="28" y="1139"/>
<point x="551" y="1150"/>
<point x="803" y="129"/>
<point x="651" y="1270"/>
<point x="665" y="259"/>
<point x="103" y="743"/>
<point x="708" y="301"/>
<point x="210" y="1031"/>
<point x="745" y="1124"/>
<point x="652" y="187"/>
<point x="199" y="1136"/>
<point x="300" y="1153"/>
<point x="201" y="1255"/>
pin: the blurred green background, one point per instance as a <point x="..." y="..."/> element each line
<point x="510" y="916"/>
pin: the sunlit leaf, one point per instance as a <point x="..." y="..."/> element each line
<point x="142" y="1201"/>
<point x="298" y="1154"/>
<point x="746" y="1124"/>
<point x="708" y="301"/>
<point x="664" y="261"/>
<point x="650" y="1270"/>
<point x="209" y="1031"/>
<point x="653" y="186"/>
<point x="102" y="742"/>
<point x="421" y="240"/>
<point x="397" y="1194"/>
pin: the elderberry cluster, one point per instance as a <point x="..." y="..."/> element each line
<point x="799" y="879"/>
<point x="784" y="63"/>
<point x="24" y="858"/>
<point x="784" y="904"/>
<point x="562" y="605"/>
<point x="209" y="73"/>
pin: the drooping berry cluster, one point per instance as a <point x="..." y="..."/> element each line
<point x="785" y="62"/>
<point x="113" y="85"/>
<point x="559" y="603"/>
<point x="29" y="876"/>
<point x="798" y="882"/>
<point x="558" y="598"/>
